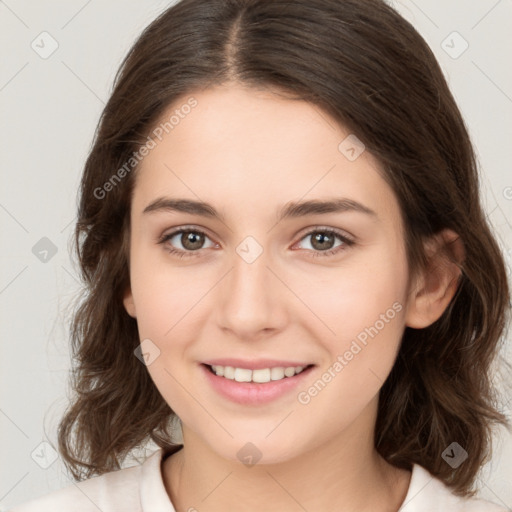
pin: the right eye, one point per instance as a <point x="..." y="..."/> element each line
<point x="191" y="241"/>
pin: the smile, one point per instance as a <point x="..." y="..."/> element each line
<point x="257" y="386"/>
<point x="260" y="376"/>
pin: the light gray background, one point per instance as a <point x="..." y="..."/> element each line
<point x="49" y="110"/>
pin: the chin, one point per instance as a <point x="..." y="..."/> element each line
<point x="257" y="450"/>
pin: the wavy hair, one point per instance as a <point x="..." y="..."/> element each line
<point x="365" y="65"/>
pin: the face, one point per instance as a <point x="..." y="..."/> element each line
<point x="252" y="279"/>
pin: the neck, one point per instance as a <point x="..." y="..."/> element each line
<point x="345" y="474"/>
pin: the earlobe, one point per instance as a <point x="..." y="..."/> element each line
<point x="129" y="304"/>
<point x="438" y="283"/>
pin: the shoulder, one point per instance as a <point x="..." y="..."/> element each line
<point x="429" y="494"/>
<point x="110" y="492"/>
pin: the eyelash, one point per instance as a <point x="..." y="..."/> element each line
<point x="348" y="242"/>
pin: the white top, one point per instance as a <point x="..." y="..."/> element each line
<point x="141" y="489"/>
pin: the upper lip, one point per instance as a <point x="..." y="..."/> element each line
<point x="254" y="364"/>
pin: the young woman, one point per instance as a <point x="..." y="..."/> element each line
<point x="284" y="249"/>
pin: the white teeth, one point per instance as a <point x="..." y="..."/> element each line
<point x="289" y="372"/>
<point x="229" y="372"/>
<point x="277" y="373"/>
<point x="261" y="376"/>
<point x="242" y="375"/>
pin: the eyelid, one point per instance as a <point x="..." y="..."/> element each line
<point x="166" y="235"/>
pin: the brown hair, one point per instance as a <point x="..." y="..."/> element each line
<point x="366" y="66"/>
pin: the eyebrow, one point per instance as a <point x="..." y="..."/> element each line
<point x="292" y="209"/>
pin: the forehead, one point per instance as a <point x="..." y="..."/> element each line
<point x="244" y="148"/>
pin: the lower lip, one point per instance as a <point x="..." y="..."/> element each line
<point x="251" y="393"/>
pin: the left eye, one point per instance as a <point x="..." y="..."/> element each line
<point x="322" y="240"/>
<point x="192" y="241"/>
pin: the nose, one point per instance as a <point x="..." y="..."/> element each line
<point x="252" y="300"/>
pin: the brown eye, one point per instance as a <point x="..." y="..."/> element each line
<point x="190" y="240"/>
<point x="322" y="242"/>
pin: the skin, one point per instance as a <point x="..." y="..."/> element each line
<point x="249" y="152"/>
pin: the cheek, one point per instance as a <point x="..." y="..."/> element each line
<point x="363" y="309"/>
<point x="164" y="293"/>
<point x="353" y="297"/>
<point x="361" y="356"/>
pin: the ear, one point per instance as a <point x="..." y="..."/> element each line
<point x="129" y="304"/>
<point x="437" y="284"/>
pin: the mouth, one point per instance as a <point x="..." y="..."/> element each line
<point x="253" y="387"/>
